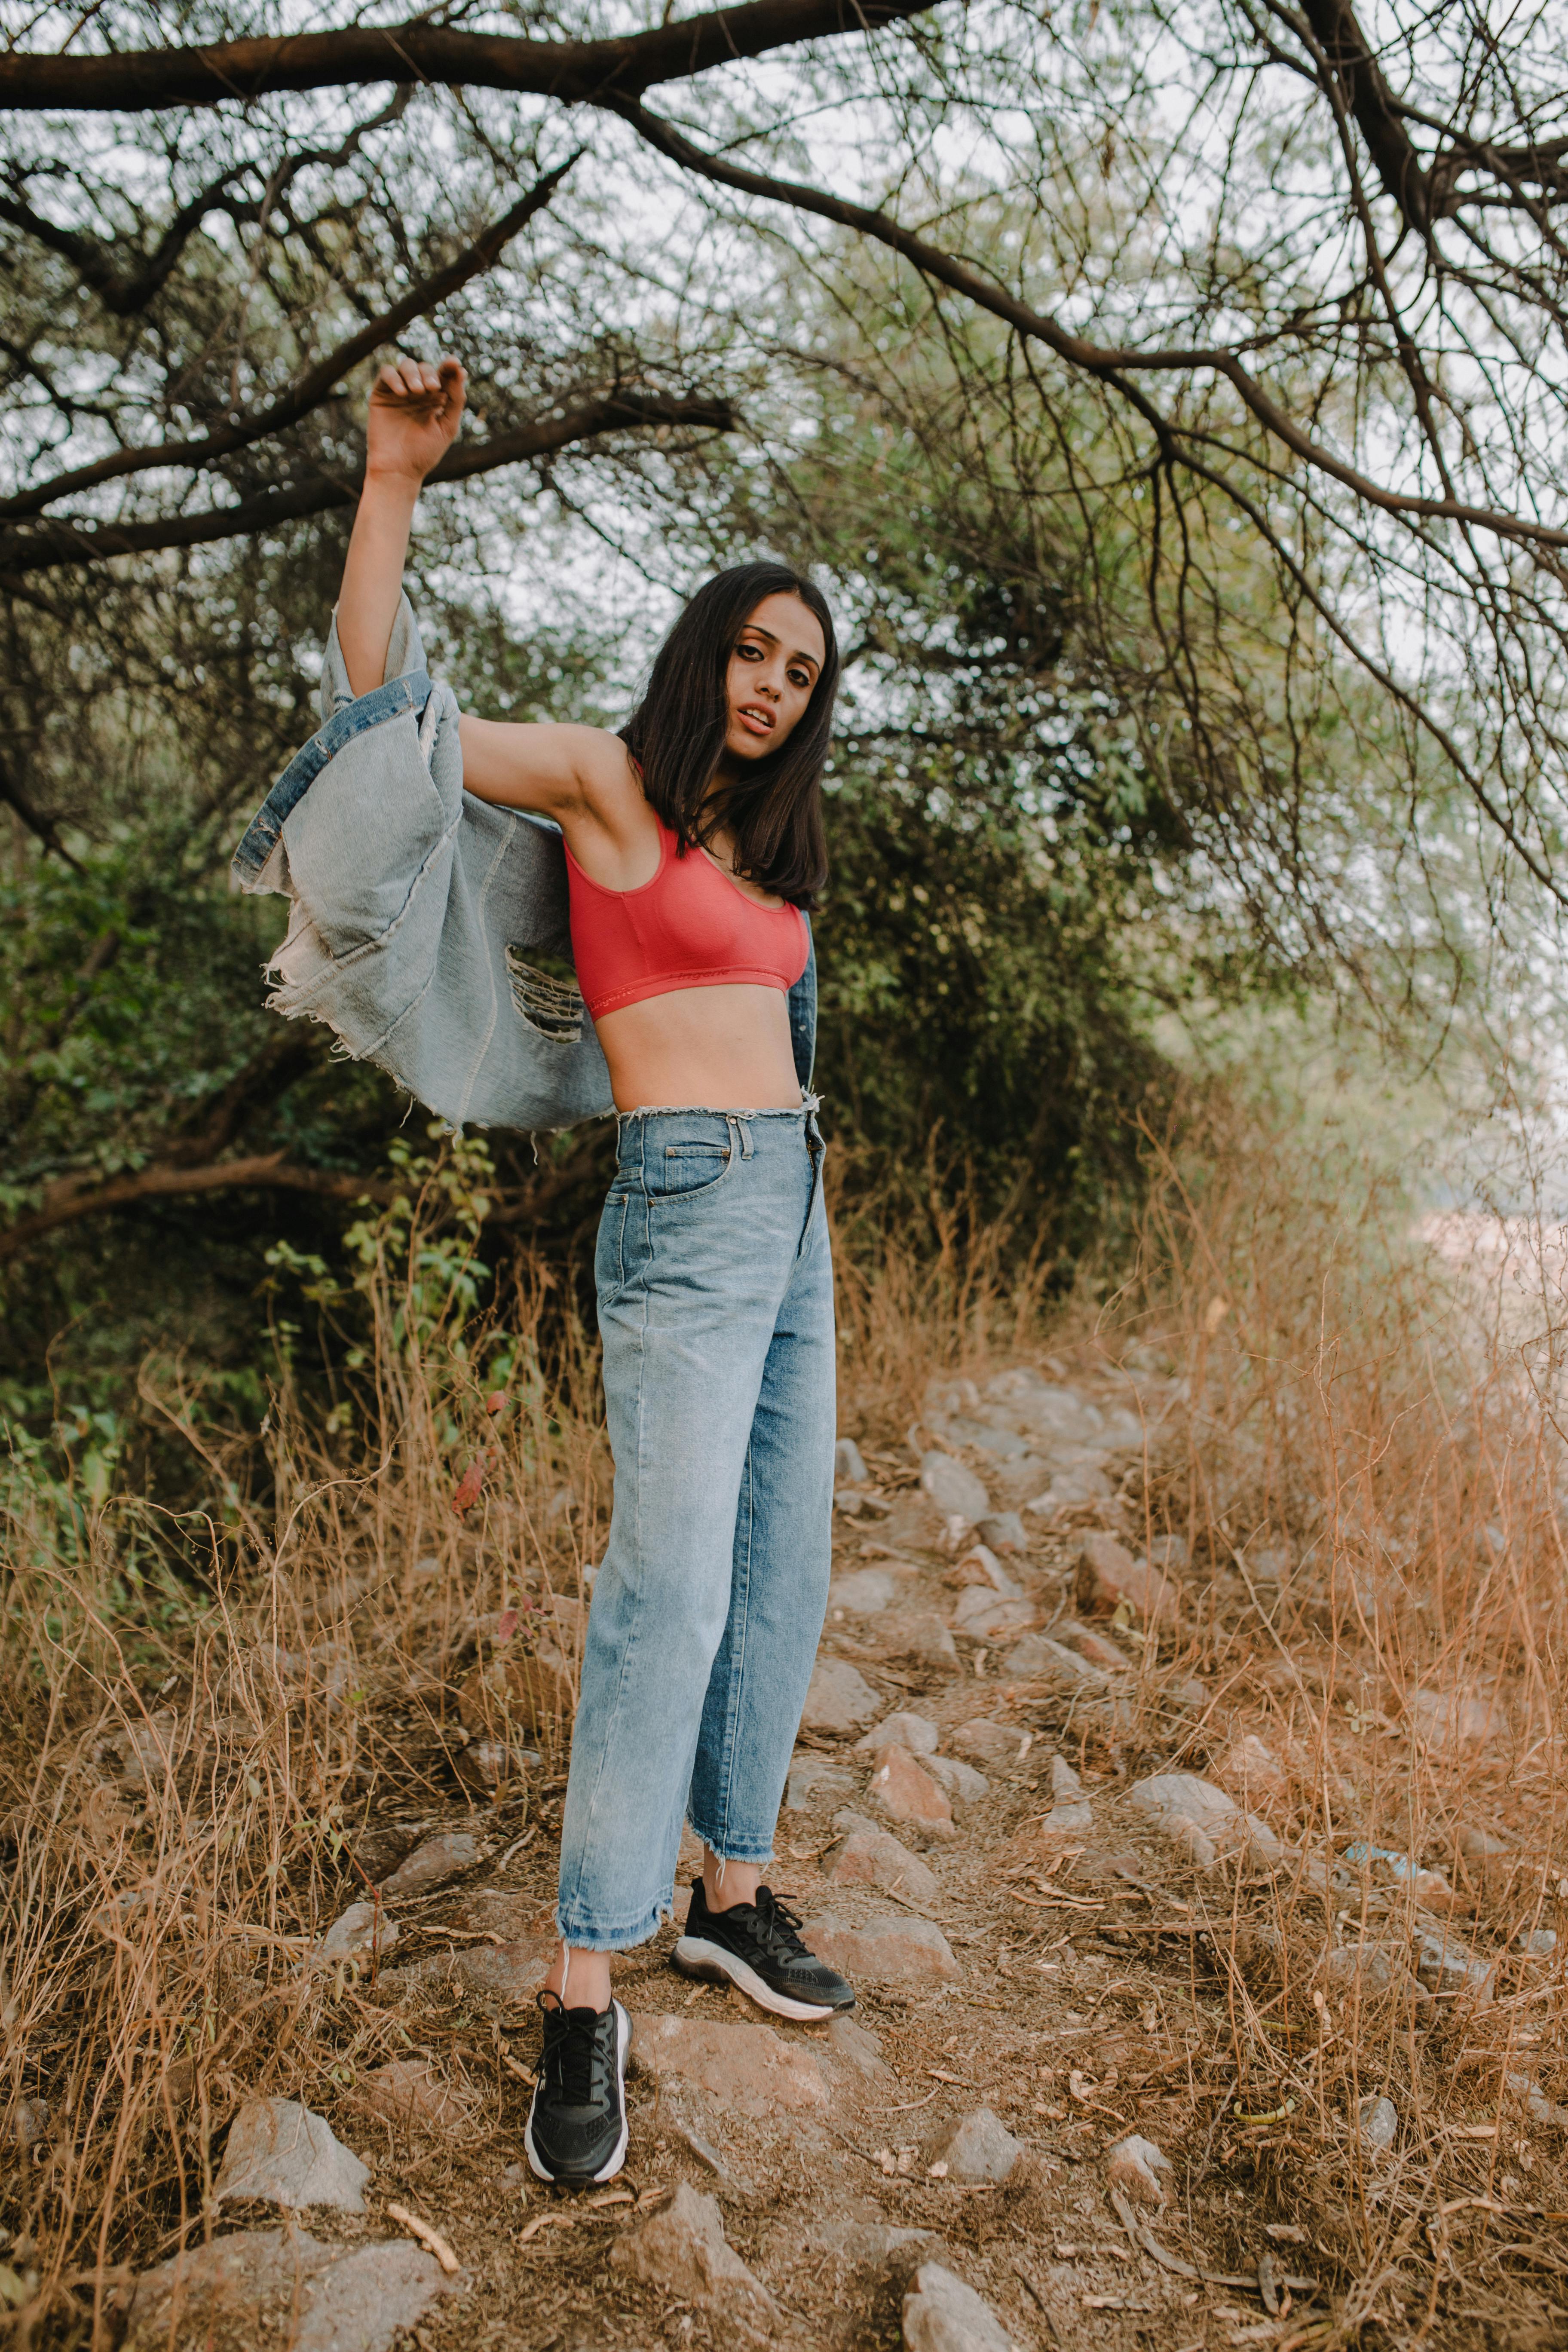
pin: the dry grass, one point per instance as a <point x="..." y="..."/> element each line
<point x="1362" y="1459"/>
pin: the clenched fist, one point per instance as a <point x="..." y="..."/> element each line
<point x="415" y="412"/>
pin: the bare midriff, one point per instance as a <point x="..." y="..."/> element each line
<point x="721" y="1048"/>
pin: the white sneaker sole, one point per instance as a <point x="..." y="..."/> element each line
<point x="607" y="2171"/>
<point x="694" y="1956"/>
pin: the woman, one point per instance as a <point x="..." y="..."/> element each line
<point x="694" y="841"/>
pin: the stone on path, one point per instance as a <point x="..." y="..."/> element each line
<point x="906" y="1793"/>
<point x="887" y="1951"/>
<point x="1034" y="1659"/>
<point x="746" y="2069"/>
<point x="511" y="1971"/>
<point x="1098" y="1648"/>
<point x="1368" y="1969"/>
<point x="362" y="1929"/>
<point x="1134" y="2165"/>
<point x="984" y="1615"/>
<point x="1536" y="1943"/>
<point x="991" y="1571"/>
<point x="681" y="2247"/>
<point x="1448" y="1720"/>
<point x="996" y="1745"/>
<point x="960" y="1781"/>
<point x="1072" y="1815"/>
<point x="873" y="1858"/>
<point x="816" y="1776"/>
<point x="838" y="1700"/>
<point x="980" y="2147"/>
<point x="917" y="1733"/>
<point x="858" y="2241"/>
<point x="409" y="2091"/>
<point x="1196" y="1814"/>
<point x="1110" y="1577"/>
<point x="432" y="1863"/>
<point x="1003" y="1531"/>
<point x="849" y="1464"/>
<point x="863" y="1592"/>
<point x="280" y="2287"/>
<point x="1377" y="2121"/>
<point x="278" y="2151"/>
<point x="957" y="1493"/>
<point x="919" y="1638"/>
<point x="942" y="2315"/>
<point x="861" y="2048"/>
<point x="1447" y="1965"/>
<point x="1251" y="1771"/>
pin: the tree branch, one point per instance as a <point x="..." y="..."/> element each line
<point x="52" y="544"/>
<point x="40" y="826"/>
<point x="270" y="1172"/>
<point x="1105" y="362"/>
<point x="138" y="80"/>
<point x="315" y="384"/>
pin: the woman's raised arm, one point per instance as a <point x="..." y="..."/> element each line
<point x="416" y="411"/>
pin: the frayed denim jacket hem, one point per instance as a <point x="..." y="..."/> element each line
<point x="417" y="911"/>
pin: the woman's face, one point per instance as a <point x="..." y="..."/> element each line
<point x="777" y="661"/>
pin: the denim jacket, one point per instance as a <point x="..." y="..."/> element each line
<point x="416" y="908"/>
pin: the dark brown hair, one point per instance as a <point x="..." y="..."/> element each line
<point x="676" y="735"/>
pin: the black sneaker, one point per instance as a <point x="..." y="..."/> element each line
<point x="576" y="2131"/>
<point x="756" y="1946"/>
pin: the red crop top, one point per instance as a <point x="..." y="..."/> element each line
<point x="690" y="926"/>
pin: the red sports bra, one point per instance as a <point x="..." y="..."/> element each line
<point x="690" y="926"/>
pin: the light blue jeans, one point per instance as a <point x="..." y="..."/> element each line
<point x="715" y="1285"/>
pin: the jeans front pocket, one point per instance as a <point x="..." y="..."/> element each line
<point x="674" y="1172"/>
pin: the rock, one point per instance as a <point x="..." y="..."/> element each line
<point x="812" y="1778"/>
<point x="838" y="1700"/>
<point x="1447" y="1967"/>
<point x="1251" y="1771"/>
<point x="1202" y="1818"/>
<point x="1536" y="1943"/>
<point x="515" y="1690"/>
<point x="681" y="2247"/>
<point x="960" y="1781"/>
<point x="1066" y="1786"/>
<point x="887" y="1951"/>
<point x="272" y="2287"/>
<point x="1108" y="1578"/>
<point x="992" y="1572"/>
<point x="906" y="1793"/>
<point x="361" y="1929"/>
<point x="862" y="1592"/>
<point x="917" y="1733"/>
<point x="408" y="2091"/>
<point x="1066" y="1823"/>
<point x="432" y="1863"/>
<point x="849" y="1464"/>
<point x="1003" y="1531"/>
<point x="942" y="2315"/>
<point x="980" y="2147"/>
<point x="25" y="2123"/>
<point x="1477" y="1844"/>
<point x="920" y="1639"/>
<point x="1448" y="1721"/>
<point x="1377" y="2120"/>
<point x="862" y="2240"/>
<point x="983" y="1615"/>
<point x="746" y="2069"/>
<point x="1527" y="2091"/>
<point x="278" y="2151"/>
<point x="1369" y="1969"/>
<point x="859" y="2047"/>
<point x="1036" y="1660"/>
<point x="999" y="1744"/>
<point x="1134" y="2165"/>
<point x="1098" y="1648"/>
<point x="873" y="1858"/>
<point x="956" y="1492"/>
<point x="487" y="1763"/>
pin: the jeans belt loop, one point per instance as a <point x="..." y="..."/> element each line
<point x="744" y="1128"/>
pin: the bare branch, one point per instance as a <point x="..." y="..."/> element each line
<point x="52" y="544"/>
<point x="138" y="80"/>
<point x="270" y="1172"/>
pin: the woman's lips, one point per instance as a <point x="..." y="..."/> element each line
<point x="760" y="721"/>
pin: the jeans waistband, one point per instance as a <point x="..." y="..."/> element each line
<point x="807" y="1105"/>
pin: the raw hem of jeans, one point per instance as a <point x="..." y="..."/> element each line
<point x="756" y="1861"/>
<point x="707" y="1110"/>
<point x="584" y="1937"/>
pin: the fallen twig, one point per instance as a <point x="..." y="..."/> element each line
<point x="431" y="2240"/>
